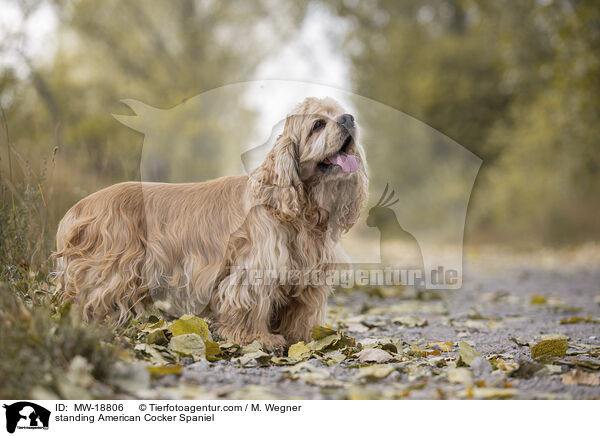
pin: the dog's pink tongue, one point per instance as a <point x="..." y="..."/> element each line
<point x="348" y="162"/>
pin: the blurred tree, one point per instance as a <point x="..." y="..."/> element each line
<point x="514" y="82"/>
<point x="154" y="51"/>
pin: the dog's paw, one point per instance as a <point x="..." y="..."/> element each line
<point x="295" y="337"/>
<point x="272" y="342"/>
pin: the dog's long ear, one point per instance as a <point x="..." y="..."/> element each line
<point x="277" y="181"/>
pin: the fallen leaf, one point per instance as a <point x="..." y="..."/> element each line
<point x="553" y="347"/>
<point x="157" y="337"/>
<point x="409" y="321"/>
<point x="230" y="347"/>
<point x="189" y="324"/>
<point x="389" y="346"/>
<point x="252" y="352"/>
<point x="325" y="342"/>
<point x="466" y="352"/>
<point x="374" y="355"/>
<point x="154" y="354"/>
<point x="299" y="351"/>
<point x="442" y="346"/>
<point x="575" y="320"/>
<point x="188" y="344"/>
<point x="212" y="350"/>
<point x="259" y="355"/>
<point x="159" y="371"/>
<point x="251" y="348"/>
<point x="319" y="332"/>
<point x="152" y="327"/>
<point x="460" y="375"/>
<point x="554" y="336"/>
<point x="503" y="365"/>
<point x="538" y="299"/>
<point x="333" y="358"/>
<point x="580" y="361"/>
<point x="385" y="343"/>
<point x="375" y="372"/>
<point x="416" y="351"/>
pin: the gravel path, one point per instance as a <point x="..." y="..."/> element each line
<point x="508" y="303"/>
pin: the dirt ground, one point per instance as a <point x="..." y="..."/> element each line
<point x="476" y="342"/>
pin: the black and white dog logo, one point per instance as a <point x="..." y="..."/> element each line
<point x="26" y="415"/>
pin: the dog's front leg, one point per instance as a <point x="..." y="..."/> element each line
<point x="243" y="313"/>
<point x="303" y="311"/>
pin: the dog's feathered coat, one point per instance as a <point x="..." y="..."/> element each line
<point x="196" y="242"/>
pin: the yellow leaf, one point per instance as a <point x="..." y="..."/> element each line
<point x="319" y="332"/>
<point x="575" y="320"/>
<point x="444" y="346"/>
<point x="159" y="371"/>
<point x="212" y="350"/>
<point x="322" y="343"/>
<point x="553" y="347"/>
<point x="538" y="299"/>
<point x="188" y="324"/>
<point x="299" y="351"/>
<point x="466" y="352"/>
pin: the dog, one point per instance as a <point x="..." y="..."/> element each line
<point x="209" y="244"/>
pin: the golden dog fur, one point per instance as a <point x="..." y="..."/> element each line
<point x="119" y="245"/>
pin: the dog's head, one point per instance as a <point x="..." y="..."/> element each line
<point x="317" y="163"/>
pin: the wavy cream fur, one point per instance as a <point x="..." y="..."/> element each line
<point x="120" y="247"/>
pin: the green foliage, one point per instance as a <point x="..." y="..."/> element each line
<point x="516" y="83"/>
<point x="24" y="239"/>
<point x="156" y="52"/>
<point x="39" y="344"/>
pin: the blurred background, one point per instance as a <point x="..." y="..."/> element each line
<point x="515" y="83"/>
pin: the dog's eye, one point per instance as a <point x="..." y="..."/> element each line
<point x="318" y="125"/>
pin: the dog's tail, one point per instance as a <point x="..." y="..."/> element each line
<point x="101" y="250"/>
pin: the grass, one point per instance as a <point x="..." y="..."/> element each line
<point x="39" y="339"/>
<point x="39" y="343"/>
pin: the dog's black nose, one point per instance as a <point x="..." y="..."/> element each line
<point x="346" y="120"/>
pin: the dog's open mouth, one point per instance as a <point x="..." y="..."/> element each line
<point x="347" y="162"/>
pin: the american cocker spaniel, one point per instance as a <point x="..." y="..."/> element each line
<point x="213" y="246"/>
